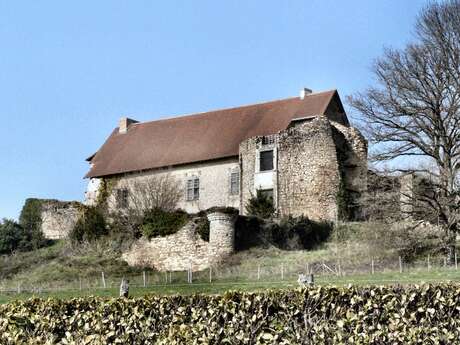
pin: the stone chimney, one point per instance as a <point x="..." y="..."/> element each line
<point x="304" y="92"/>
<point x="124" y="124"/>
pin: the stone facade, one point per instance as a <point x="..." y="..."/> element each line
<point x="221" y="235"/>
<point x="185" y="249"/>
<point x="58" y="218"/>
<point x="312" y="159"/>
<point x="309" y="174"/>
<point x="214" y="184"/>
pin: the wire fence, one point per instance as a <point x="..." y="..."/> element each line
<point x="374" y="270"/>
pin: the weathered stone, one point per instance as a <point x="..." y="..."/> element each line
<point x="185" y="249"/>
<point x="59" y="218"/>
<point x="214" y="182"/>
<point x="221" y="235"/>
<point x="312" y="159"/>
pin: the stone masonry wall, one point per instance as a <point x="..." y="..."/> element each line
<point x="59" y="218"/>
<point x="214" y="187"/>
<point x="352" y="156"/>
<point x="352" y="150"/>
<point x="248" y="152"/>
<point x="185" y="249"/>
<point x="308" y="170"/>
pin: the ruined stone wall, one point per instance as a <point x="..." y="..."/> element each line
<point x="352" y="151"/>
<point x="308" y="170"/>
<point x="313" y="160"/>
<point x="352" y="157"/>
<point x="59" y="218"/>
<point x="185" y="249"/>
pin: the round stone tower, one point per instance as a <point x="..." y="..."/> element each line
<point x="221" y="234"/>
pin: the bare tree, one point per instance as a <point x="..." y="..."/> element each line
<point x="156" y="191"/>
<point x="415" y="109"/>
<point x="132" y="199"/>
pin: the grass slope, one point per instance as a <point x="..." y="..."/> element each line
<point x="60" y="271"/>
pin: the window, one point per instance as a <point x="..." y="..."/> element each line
<point x="122" y="198"/>
<point x="268" y="139"/>
<point x="235" y="183"/>
<point x="266" y="160"/>
<point x="267" y="193"/>
<point x="193" y="189"/>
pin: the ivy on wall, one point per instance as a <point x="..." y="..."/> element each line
<point x="344" y="200"/>
<point x="106" y="188"/>
<point x="31" y="214"/>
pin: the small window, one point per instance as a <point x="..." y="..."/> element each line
<point x="193" y="189"/>
<point x="266" y="160"/>
<point x="267" y="193"/>
<point x="122" y="198"/>
<point x="268" y="139"/>
<point x="235" y="183"/>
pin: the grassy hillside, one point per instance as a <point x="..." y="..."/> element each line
<point x="355" y="253"/>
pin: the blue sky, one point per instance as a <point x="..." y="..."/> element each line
<point x="69" y="70"/>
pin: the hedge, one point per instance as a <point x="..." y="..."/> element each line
<point x="428" y="314"/>
<point x="160" y="223"/>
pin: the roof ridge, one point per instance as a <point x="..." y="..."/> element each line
<point x="176" y="117"/>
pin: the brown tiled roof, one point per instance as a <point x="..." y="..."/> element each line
<point x="200" y="137"/>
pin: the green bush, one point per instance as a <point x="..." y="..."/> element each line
<point x="221" y="209"/>
<point x="289" y="233"/>
<point x="31" y="220"/>
<point x="202" y="222"/>
<point x="158" y="222"/>
<point x="89" y="226"/>
<point x="202" y="227"/>
<point x="260" y="206"/>
<point x="427" y="314"/>
<point x="248" y="233"/>
<point x="13" y="237"/>
<point x="300" y="233"/>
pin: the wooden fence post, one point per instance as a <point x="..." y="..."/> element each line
<point x="258" y="272"/>
<point x="103" y="280"/>
<point x="144" y="278"/>
<point x="372" y="266"/>
<point x="400" y="265"/>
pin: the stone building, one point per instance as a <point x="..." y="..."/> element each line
<point x="301" y="151"/>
